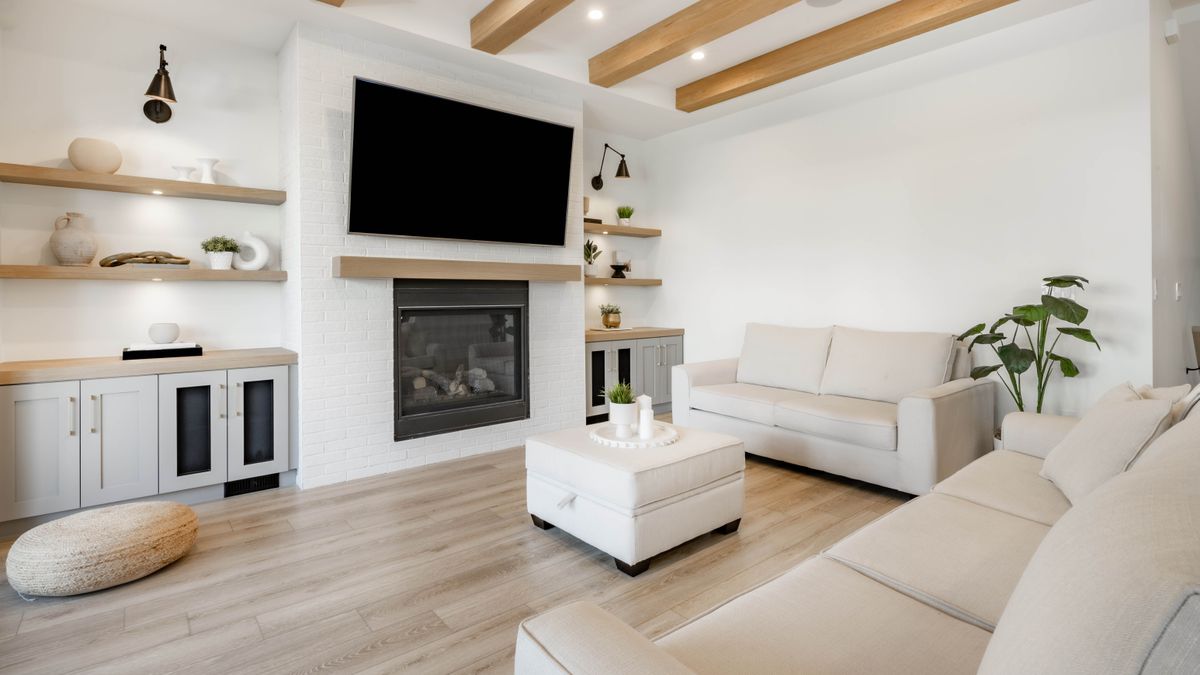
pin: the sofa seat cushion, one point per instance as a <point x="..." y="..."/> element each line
<point x="751" y="402"/>
<point x="885" y="366"/>
<point x="784" y="357"/>
<point x="952" y="554"/>
<point x="823" y="617"/>
<point x="1008" y="481"/>
<point x="854" y="420"/>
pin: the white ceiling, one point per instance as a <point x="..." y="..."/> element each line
<point x="556" y="53"/>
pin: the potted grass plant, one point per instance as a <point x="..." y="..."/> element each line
<point x="624" y="213"/>
<point x="220" y="251"/>
<point x="622" y="408"/>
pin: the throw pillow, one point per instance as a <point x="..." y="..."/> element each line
<point x="1182" y="398"/>
<point x="1120" y="393"/>
<point x="1103" y="444"/>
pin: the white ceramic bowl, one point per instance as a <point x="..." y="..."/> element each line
<point x="95" y="155"/>
<point x="164" y="333"/>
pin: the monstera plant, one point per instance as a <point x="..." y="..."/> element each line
<point x="1036" y="351"/>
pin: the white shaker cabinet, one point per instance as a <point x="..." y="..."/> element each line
<point x="118" y="439"/>
<point x="39" y="449"/>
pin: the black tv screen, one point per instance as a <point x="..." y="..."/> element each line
<point x="426" y="166"/>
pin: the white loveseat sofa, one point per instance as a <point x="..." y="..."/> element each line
<point x="893" y="409"/>
<point x="995" y="572"/>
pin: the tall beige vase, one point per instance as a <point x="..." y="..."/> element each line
<point x="71" y="244"/>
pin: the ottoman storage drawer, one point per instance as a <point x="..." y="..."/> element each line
<point x="634" y="503"/>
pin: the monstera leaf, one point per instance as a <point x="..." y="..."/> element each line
<point x="1068" y="367"/>
<point x="1029" y="315"/>
<point x="1066" y="309"/>
<point x="987" y="339"/>
<point x="1016" y="358"/>
<point x="1081" y="333"/>
<point x="980" y="372"/>
<point x="973" y="330"/>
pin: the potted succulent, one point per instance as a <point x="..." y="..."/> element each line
<point x="591" y="253"/>
<point x="610" y="316"/>
<point x="220" y="251"/>
<point x="624" y="213"/>
<point x="622" y="408"/>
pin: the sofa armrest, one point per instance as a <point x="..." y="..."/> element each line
<point x="582" y="639"/>
<point x="942" y="429"/>
<point x="689" y="375"/>
<point x="1033" y="433"/>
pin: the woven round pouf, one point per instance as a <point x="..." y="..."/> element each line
<point x="100" y="548"/>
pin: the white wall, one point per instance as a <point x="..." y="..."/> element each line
<point x="77" y="71"/>
<point x="929" y="194"/>
<point x="1176" y="231"/>
<point x="344" y="326"/>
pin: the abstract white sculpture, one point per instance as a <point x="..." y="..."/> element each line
<point x="262" y="253"/>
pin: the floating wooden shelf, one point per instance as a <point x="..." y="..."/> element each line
<point x="62" y="370"/>
<point x="597" y="335"/>
<point x="621" y="230"/>
<point x="129" y="273"/>
<point x="354" y="267"/>
<point x="605" y="281"/>
<point x="84" y="180"/>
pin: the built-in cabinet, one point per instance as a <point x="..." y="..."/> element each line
<point x="644" y="363"/>
<point x="66" y="445"/>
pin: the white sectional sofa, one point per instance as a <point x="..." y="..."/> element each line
<point x="893" y="409"/>
<point x="995" y="571"/>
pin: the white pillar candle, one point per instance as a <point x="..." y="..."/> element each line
<point x="646" y="424"/>
<point x="644" y="402"/>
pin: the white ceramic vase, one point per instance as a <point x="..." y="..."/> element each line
<point x="71" y="244"/>
<point x="164" y="333"/>
<point x="262" y="253"/>
<point x="220" y="260"/>
<point x="183" y="172"/>
<point x="94" y="155"/>
<point x="207" y="175"/>
<point x="624" y="417"/>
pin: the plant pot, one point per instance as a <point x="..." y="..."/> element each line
<point x="623" y="222"/>
<point x="623" y="416"/>
<point x="611" y="320"/>
<point x="589" y="269"/>
<point x="220" y="260"/>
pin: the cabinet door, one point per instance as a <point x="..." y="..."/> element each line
<point x="118" y="456"/>
<point x="192" y="430"/>
<point x="647" y="368"/>
<point x="597" y="366"/>
<point x="623" y="364"/>
<point x="39" y="449"/>
<point x="670" y="354"/>
<point x="258" y="428"/>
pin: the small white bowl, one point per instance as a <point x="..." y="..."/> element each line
<point x="164" y="333"/>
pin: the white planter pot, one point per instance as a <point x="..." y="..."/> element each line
<point x="623" y="416"/>
<point x="623" y="222"/>
<point x="589" y="269"/>
<point x="221" y="261"/>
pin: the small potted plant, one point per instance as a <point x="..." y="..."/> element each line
<point x="610" y="316"/>
<point x="591" y="253"/>
<point x="622" y="409"/>
<point x="220" y="251"/>
<point x="624" y="213"/>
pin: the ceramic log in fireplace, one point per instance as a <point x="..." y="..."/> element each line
<point x="461" y="355"/>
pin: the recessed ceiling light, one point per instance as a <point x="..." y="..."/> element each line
<point x="697" y="55"/>
<point x="595" y="14"/>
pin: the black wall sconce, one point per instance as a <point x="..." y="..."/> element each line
<point x="622" y="168"/>
<point x="160" y="91"/>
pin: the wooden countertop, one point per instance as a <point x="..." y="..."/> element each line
<point x="596" y="335"/>
<point x="60" y="370"/>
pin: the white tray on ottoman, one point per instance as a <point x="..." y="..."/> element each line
<point x="634" y="503"/>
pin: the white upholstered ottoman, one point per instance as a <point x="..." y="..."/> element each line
<point x="635" y="503"/>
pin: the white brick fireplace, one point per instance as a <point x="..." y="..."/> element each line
<point x="342" y="328"/>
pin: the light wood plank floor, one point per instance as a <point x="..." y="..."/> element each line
<point x="428" y="571"/>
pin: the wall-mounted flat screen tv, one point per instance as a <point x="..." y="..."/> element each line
<point x="427" y="166"/>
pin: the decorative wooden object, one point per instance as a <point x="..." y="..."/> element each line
<point x="690" y="28"/>
<point x="604" y="281"/>
<point x="354" y="267"/>
<point x="43" y="175"/>
<point x="894" y="23"/>
<point x="130" y="273"/>
<point x="593" y="335"/>
<point x="503" y="22"/>
<point x="61" y="370"/>
<point x="621" y="230"/>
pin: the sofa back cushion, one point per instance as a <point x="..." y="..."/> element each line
<point x="1103" y="444"/>
<point x="1113" y="588"/>
<point x="784" y="357"/>
<point x="885" y="366"/>
<point x="1181" y="440"/>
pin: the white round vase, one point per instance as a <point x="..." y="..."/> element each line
<point x="94" y="155"/>
<point x="261" y="253"/>
<point x="220" y="260"/>
<point x="164" y="333"/>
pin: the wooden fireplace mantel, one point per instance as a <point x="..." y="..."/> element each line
<point x="360" y="267"/>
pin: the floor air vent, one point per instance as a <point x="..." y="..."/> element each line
<point x="248" y="485"/>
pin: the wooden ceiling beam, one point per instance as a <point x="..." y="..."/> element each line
<point x="894" y="23"/>
<point x="690" y="28"/>
<point x="503" y="22"/>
